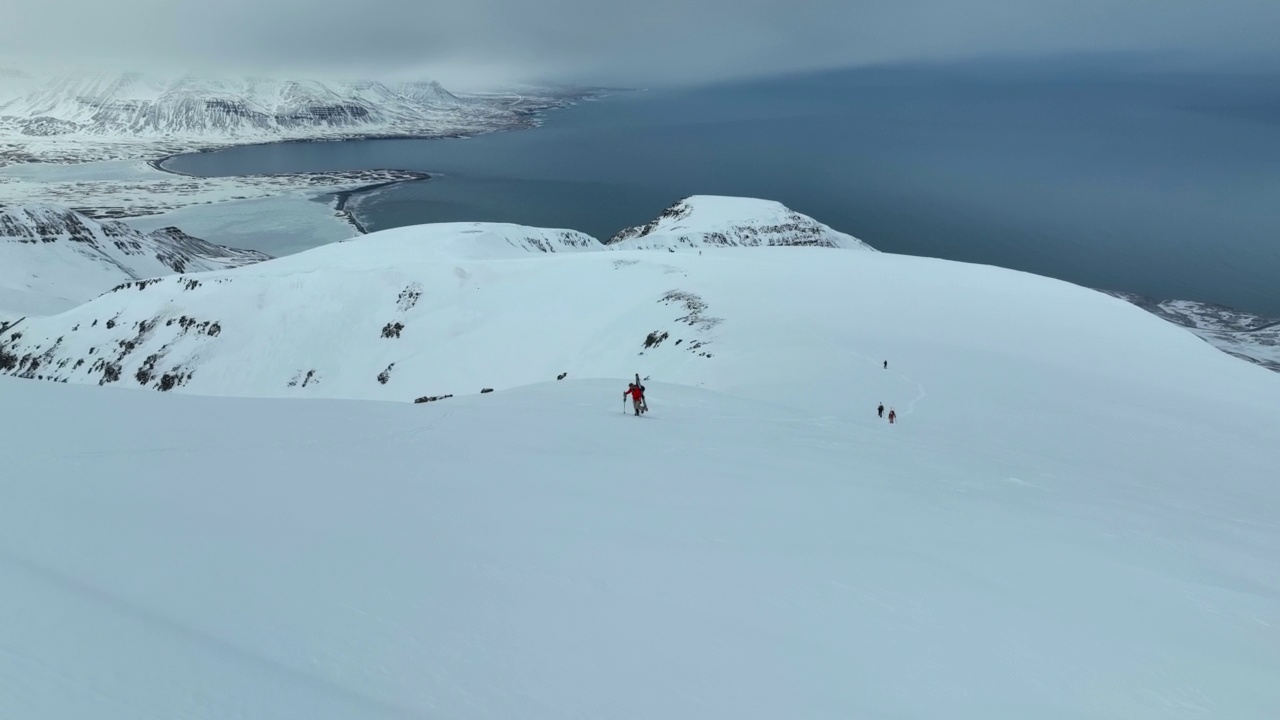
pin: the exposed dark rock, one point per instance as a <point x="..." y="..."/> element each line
<point x="431" y="398"/>
<point x="655" y="339"/>
<point x="110" y="373"/>
<point x="409" y="297"/>
<point x="311" y="378"/>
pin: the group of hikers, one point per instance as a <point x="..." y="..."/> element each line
<point x="893" y="414"/>
<point x="635" y="391"/>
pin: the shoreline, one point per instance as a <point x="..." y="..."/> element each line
<point x="528" y="120"/>
<point x="342" y="198"/>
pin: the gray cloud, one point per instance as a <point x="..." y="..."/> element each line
<point x="653" y="41"/>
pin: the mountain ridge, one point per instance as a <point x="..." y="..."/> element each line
<point x="52" y="258"/>
<point x="80" y="116"/>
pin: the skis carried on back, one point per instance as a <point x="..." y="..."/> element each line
<point x="644" y="402"/>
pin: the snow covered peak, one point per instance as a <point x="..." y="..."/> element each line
<point x="720" y="221"/>
<point x="52" y="258"/>
<point x="428" y="91"/>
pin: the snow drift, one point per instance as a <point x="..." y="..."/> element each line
<point x="452" y="309"/>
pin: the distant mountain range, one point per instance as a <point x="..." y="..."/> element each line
<point x="102" y="113"/>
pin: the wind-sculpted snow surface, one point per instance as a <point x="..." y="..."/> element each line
<point x="52" y="258"/>
<point x="717" y="221"/>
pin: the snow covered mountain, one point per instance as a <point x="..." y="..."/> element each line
<point x="718" y="221"/>
<point x="53" y="258"/>
<point x="1245" y="335"/>
<point x="1075" y="516"/>
<point x="453" y="309"/>
<point x="105" y="114"/>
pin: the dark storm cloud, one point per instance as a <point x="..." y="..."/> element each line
<point x="620" y="41"/>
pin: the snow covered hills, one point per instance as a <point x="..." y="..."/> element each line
<point x="103" y="115"/>
<point x="453" y="309"/>
<point x="52" y="259"/>
<point x="382" y="316"/>
<point x="159" y="327"/>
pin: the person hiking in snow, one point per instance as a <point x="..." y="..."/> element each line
<point x="637" y="396"/>
<point x="893" y="415"/>
<point x="880" y="410"/>
<point x="886" y="364"/>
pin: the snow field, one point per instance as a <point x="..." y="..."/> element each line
<point x="1075" y="517"/>
<point x="537" y="553"/>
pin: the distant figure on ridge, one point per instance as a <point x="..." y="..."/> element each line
<point x="886" y="364"/>
<point x="893" y="415"/>
<point x="880" y="410"/>
<point x="637" y="397"/>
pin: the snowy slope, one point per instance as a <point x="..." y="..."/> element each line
<point x="718" y="221"/>
<point x="1103" y="548"/>
<point x="53" y="258"/>
<point x="1076" y="516"/>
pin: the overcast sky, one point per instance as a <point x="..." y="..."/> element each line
<point x="620" y="41"/>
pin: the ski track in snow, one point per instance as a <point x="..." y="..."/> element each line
<point x="878" y="364"/>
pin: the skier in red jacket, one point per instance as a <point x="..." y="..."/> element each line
<point x="637" y="396"/>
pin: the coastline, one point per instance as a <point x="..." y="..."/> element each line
<point x="526" y="120"/>
<point x="342" y="198"/>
